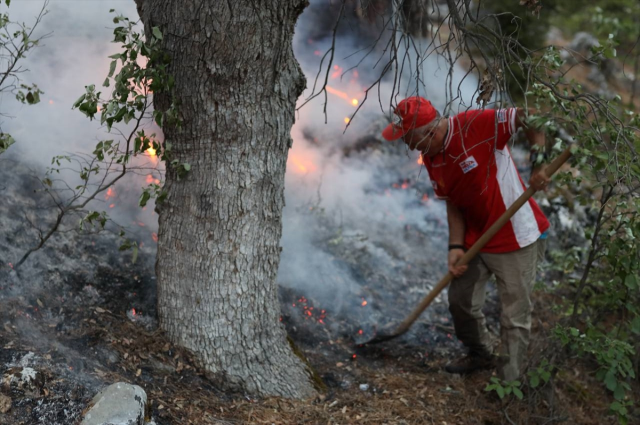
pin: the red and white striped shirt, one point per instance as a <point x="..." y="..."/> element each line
<point x="476" y="173"/>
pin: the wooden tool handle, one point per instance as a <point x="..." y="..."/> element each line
<point x="480" y="243"/>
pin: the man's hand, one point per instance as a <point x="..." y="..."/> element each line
<point x="539" y="179"/>
<point x="454" y="256"/>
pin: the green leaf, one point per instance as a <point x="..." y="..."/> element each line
<point x="635" y="325"/>
<point x="618" y="394"/>
<point x="631" y="282"/>
<point x="157" y="33"/>
<point x="134" y="257"/>
<point x="144" y="198"/>
<point x="112" y="67"/>
<point x="79" y="101"/>
<point x="610" y="380"/>
<point x="534" y="381"/>
<point x="518" y="393"/>
<point x="500" y="392"/>
<point x="5" y="141"/>
<point x="187" y="167"/>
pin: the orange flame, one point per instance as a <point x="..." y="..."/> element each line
<point x="111" y="193"/>
<point x="154" y="236"/>
<point x="151" y="151"/>
<point x="420" y="160"/>
<point x="364" y="302"/>
<point x="300" y="164"/>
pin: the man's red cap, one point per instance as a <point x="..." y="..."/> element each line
<point x="412" y="112"/>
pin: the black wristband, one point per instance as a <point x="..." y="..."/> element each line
<point x="457" y="247"/>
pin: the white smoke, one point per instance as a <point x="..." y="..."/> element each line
<point x="343" y="191"/>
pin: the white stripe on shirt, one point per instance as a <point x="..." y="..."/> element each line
<point x="525" y="225"/>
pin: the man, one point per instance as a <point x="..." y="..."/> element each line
<point x="470" y="166"/>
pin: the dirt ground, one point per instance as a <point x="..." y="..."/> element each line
<point x="85" y="336"/>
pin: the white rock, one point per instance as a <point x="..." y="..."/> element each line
<point x="118" y="404"/>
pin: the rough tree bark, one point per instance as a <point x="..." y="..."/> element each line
<point x="237" y="82"/>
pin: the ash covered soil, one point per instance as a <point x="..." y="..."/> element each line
<point x="81" y="315"/>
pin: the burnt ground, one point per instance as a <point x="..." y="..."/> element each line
<point x="84" y="336"/>
<point x="83" y="316"/>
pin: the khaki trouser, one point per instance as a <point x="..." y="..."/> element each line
<point x="515" y="274"/>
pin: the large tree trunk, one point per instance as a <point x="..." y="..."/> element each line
<point x="237" y="82"/>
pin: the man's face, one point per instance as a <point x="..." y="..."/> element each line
<point x="422" y="138"/>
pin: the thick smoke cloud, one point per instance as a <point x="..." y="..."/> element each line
<point x="333" y="187"/>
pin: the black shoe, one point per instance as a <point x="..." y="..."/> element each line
<point x="471" y="363"/>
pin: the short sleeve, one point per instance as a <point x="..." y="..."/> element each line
<point x="499" y="124"/>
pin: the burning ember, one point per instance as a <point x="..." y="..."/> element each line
<point x="336" y="71"/>
<point x="154" y="236"/>
<point x="111" y="193"/>
<point x="342" y="95"/>
<point x="309" y="311"/>
<point x="151" y="151"/>
<point x="150" y="179"/>
<point x="364" y="302"/>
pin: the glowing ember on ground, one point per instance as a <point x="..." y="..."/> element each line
<point x="425" y="197"/>
<point x="364" y="302"/>
<point x="111" y="193"/>
<point x="133" y="311"/>
<point x="360" y="332"/>
<point x="354" y="356"/>
<point x="310" y="312"/>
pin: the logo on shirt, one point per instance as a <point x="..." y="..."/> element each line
<point x="468" y="164"/>
<point x="502" y="116"/>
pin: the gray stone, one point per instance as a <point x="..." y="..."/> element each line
<point x="118" y="404"/>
